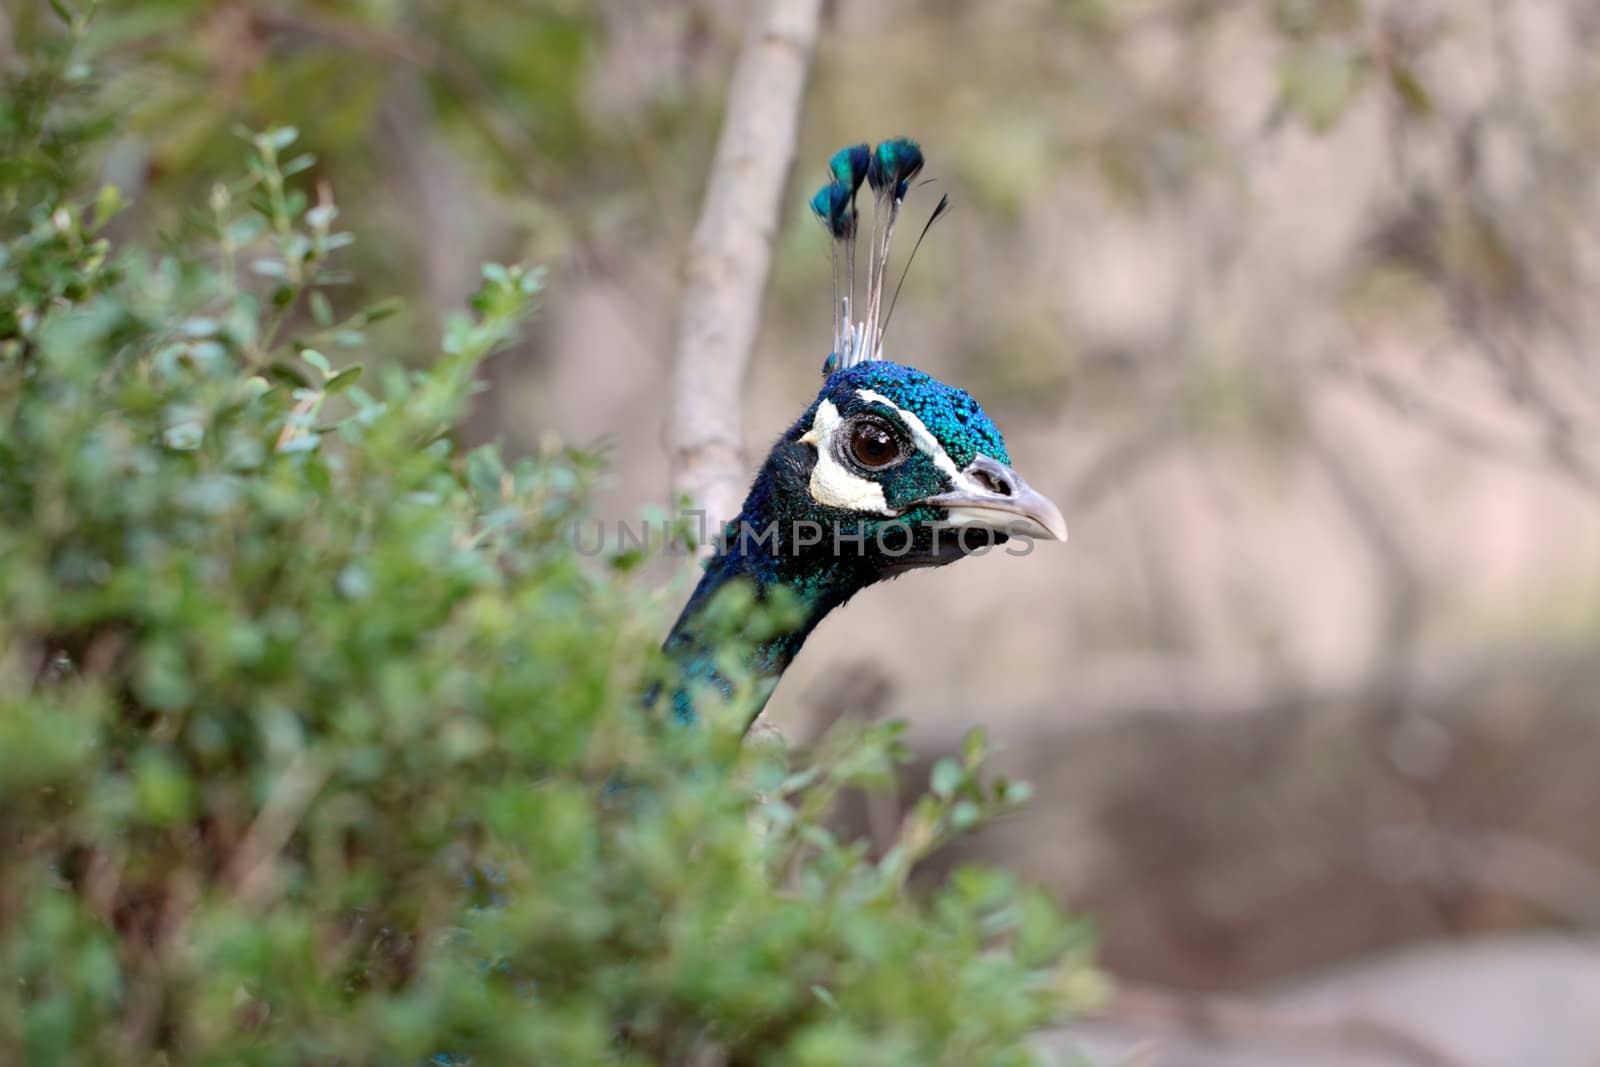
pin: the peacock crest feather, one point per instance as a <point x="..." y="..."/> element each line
<point x="888" y="171"/>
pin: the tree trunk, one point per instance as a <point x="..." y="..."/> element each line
<point x="730" y="253"/>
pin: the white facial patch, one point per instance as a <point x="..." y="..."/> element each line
<point x="832" y="484"/>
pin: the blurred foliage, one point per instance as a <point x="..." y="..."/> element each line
<point x="577" y="134"/>
<point x="468" y="125"/>
<point x="319" y="740"/>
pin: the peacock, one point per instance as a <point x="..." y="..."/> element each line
<point x="888" y="470"/>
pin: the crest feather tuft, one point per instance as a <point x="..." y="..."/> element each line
<point x="889" y="169"/>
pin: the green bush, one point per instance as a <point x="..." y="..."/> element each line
<point x="321" y="744"/>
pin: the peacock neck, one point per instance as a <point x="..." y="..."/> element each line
<point x="769" y="554"/>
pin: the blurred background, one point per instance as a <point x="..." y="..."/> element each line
<point x="1291" y="305"/>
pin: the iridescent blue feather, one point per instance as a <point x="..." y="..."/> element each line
<point x="833" y="204"/>
<point x="849" y="165"/>
<point x="894" y="164"/>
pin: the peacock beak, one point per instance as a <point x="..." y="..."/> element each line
<point x="994" y="496"/>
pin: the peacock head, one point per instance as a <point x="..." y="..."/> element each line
<point x="892" y="466"/>
<point x="887" y="454"/>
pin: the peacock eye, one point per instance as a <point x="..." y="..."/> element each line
<point x="874" y="445"/>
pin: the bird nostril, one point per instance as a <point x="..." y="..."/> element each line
<point x="992" y="482"/>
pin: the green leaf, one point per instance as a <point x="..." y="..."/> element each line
<point x="107" y="205"/>
<point x="244" y="230"/>
<point x="964" y="815"/>
<point x="321" y="310"/>
<point x="163" y="791"/>
<point x="286" y="373"/>
<point x="975" y="746"/>
<point x="485" y="472"/>
<point x="1013" y="793"/>
<point x="342" y="380"/>
<point x="317" y="360"/>
<point x="269" y="268"/>
<point x="383" y="309"/>
<point x="946" y="778"/>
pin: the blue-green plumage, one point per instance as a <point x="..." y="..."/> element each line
<point x="834" y="205"/>
<point x="888" y="470"/>
<point x="894" y="163"/>
<point x="849" y="165"/>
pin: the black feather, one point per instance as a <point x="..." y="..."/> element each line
<point x="944" y="205"/>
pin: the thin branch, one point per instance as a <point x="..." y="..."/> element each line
<point x="254" y="866"/>
<point x="731" y="252"/>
